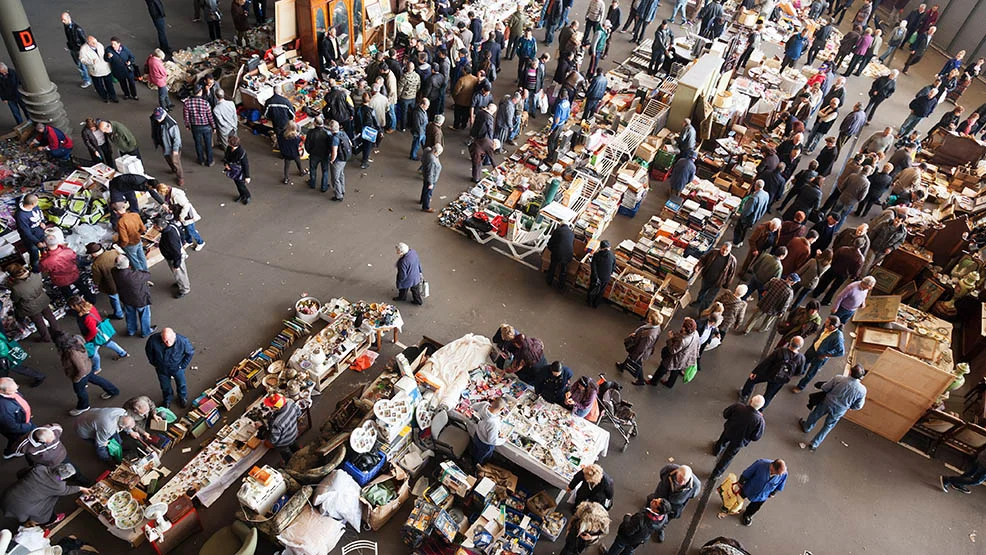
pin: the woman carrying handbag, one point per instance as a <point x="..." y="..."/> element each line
<point x="95" y="331"/>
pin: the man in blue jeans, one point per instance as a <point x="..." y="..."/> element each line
<point x="135" y="296"/>
<point x="104" y="425"/>
<point x="972" y="477"/>
<point x="318" y="145"/>
<point x="828" y="343"/>
<point x="417" y="124"/>
<point x="170" y="354"/>
<point x="487" y="434"/>
<point x="842" y="394"/>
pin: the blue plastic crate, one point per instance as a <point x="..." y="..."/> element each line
<point x="363" y="478"/>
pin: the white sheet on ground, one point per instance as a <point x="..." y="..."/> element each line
<point x="452" y="363"/>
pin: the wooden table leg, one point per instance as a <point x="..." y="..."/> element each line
<point x="397" y="334"/>
<point x="379" y="339"/>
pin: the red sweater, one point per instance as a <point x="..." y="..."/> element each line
<point x="61" y="265"/>
<point x="88" y="324"/>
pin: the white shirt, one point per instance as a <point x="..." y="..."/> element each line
<point x="488" y="428"/>
<point x="92" y="57"/>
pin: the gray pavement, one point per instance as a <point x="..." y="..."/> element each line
<point x="858" y="493"/>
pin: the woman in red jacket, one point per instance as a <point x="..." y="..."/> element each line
<point x="89" y="319"/>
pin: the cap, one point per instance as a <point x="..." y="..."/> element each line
<point x="274" y="401"/>
<point x="159" y="113"/>
<point x="793" y="278"/>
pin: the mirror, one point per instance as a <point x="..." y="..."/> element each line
<point x="320" y="26"/>
<point x="358" y="25"/>
<point x="340" y="20"/>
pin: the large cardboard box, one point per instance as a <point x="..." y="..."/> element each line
<point x="376" y="517"/>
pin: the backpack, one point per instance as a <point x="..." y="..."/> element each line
<point x="345" y="147"/>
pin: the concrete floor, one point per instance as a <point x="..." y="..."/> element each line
<point x="858" y="493"/>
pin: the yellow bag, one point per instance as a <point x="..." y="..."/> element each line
<point x="732" y="501"/>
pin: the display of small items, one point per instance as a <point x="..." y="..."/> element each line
<point x="378" y="314"/>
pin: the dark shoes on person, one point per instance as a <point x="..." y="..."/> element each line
<point x="183" y="402"/>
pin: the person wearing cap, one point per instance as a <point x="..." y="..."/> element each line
<point x="774" y="301"/>
<point x="103" y="262"/>
<point x="32" y="498"/>
<point x="170" y="354"/>
<point x="282" y="425"/>
<point x="61" y="264"/>
<point x="167" y="135"/>
<point x="601" y="271"/>
<point x="409" y="274"/>
<point x="744" y="424"/>
<point x="171" y="249"/>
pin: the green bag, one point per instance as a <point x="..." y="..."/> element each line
<point x="690" y="372"/>
<point x="115" y="450"/>
<point x="913" y="38"/>
<point x="104" y="332"/>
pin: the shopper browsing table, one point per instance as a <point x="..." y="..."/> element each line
<point x="282" y="425"/>
<point x="31" y="500"/>
<point x="103" y="425"/>
<point x="589" y="524"/>
<point x="487" y="434"/>
<point x="170" y="354"/>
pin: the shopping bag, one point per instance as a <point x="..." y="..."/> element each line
<point x="690" y="373"/>
<point x="104" y="332"/>
<point x="425" y="289"/>
<point x="732" y="501"/>
<point x="713" y="343"/>
<point x="16" y="354"/>
<point x="369" y="134"/>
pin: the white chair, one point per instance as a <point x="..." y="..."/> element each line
<point x="360" y="547"/>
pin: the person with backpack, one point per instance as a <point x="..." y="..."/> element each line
<point x="341" y="150"/>
<point x="237" y="167"/>
<point x="171" y="249"/>
<point x="744" y="425"/>
<point x="776" y="370"/>
<point x="636" y="528"/>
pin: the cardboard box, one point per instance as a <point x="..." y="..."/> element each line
<point x="646" y="151"/>
<point x="739" y="189"/>
<point x="377" y="517"/>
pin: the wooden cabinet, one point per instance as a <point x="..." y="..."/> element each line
<point x="313" y="18"/>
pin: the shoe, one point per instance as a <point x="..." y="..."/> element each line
<point x="238" y="199"/>
<point x="398" y="299"/>
<point x="124" y="355"/>
<point x="107" y="396"/>
<point x="747" y="520"/>
<point x="38" y="381"/>
<point x="737" y="245"/>
<point x="77" y="412"/>
<point x="200" y="246"/>
<point x="106" y="101"/>
<point x="285" y="181"/>
<point x="364" y="166"/>
<point x="134" y="98"/>
<point x="210" y="164"/>
<point x="337" y="199"/>
<point x="86" y="85"/>
<point x="801" y="423"/>
<point x="660" y="536"/>
<point x="941" y="481"/>
<point x="665" y="384"/>
<point x="619" y="367"/>
<point x="639" y="382"/>
<point x="797" y="389"/>
<point x="246" y="201"/>
<point x="150" y="283"/>
<point x="180" y="295"/>
<point x="428" y="210"/>
<point x="183" y="402"/>
<point x="963" y="489"/>
<point x="166" y="404"/>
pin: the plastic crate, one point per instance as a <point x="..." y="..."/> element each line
<point x="660" y="175"/>
<point x="630" y="212"/>
<point x="363" y="478"/>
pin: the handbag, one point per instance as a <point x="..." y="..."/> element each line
<point x="425" y="289"/>
<point x="369" y="134"/>
<point x="234" y="172"/>
<point x="104" y="332"/>
<point x="689" y="373"/>
<point x="729" y="491"/>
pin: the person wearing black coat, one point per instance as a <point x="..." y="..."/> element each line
<point x="155" y="8"/>
<point x="123" y="65"/>
<point x="918" y="48"/>
<point x="801" y="180"/>
<point x="237" y="167"/>
<point x="339" y="107"/>
<point x="171" y="243"/>
<point x="433" y="88"/>
<point x="551" y="383"/>
<point x="776" y="371"/>
<point x="591" y="483"/>
<point x="636" y="528"/>
<point x="562" y="248"/>
<point x="602" y="266"/>
<point x="744" y="425"/>
<point x="678" y="486"/>
<point x="879" y="185"/>
<point x="808" y="199"/>
<point x="773" y="184"/>
<point x="827" y="156"/>
<point x="883" y="87"/>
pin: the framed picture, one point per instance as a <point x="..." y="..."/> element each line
<point x="878" y="338"/>
<point x="921" y="346"/>
<point x="886" y="281"/>
<point x="907" y="290"/>
<point x="927" y="294"/>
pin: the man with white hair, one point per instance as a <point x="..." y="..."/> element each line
<point x="43" y="447"/>
<point x="852" y="298"/>
<point x="776" y="370"/>
<point x="431" y="169"/>
<point x="408" y="274"/>
<point x="678" y="486"/>
<point x="744" y="425"/>
<point x="91" y="55"/>
<point x="103" y="425"/>
<point x="224" y="113"/>
<point x="170" y="354"/>
<point x="15" y="416"/>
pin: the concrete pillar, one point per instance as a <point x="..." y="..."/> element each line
<point x="40" y="95"/>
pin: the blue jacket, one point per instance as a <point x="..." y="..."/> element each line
<point x="552" y="389"/>
<point x="563" y="109"/>
<point x="795" y="46"/>
<point x="833" y="346"/>
<point x="408" y="270"/>
<point x="755" y="206"/>
<point x="13" y="420"/>
<point x="681" y="174"/>
<point x="843" y="393"/>
<point x="527" y="48"/>
<point x="597" y="88"/>
<point x="647" y="9"/>
<point x="757" y="482"/>
<point x="29" y="225"/>
<point x="922" y="106"/>
<point x="122" y="63"/>
<point x="169" y="360"/>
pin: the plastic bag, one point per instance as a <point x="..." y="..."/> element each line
<point x="337" y="496"/>
<point x="690" y="372"/>
<point x="732" y="501"/>
<point x="312" y="534"/>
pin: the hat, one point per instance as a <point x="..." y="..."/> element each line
<point x="93" y="248"/>
<point x="274" y="401"/>
<point x="793" y="277"/>
<point x="159" y="113"/>
<point x="604" y="244"/>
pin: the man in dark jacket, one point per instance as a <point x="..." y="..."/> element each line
<point x="552" y="383"/>
<point x="851" y="125"/>
<point x="883" y="87"/>
<point x="562" y="248"/>
<point x="10" y="92"/>
<point x="75" y="39"/>
<point x="156" y="10"/>
<point x="481" y="152"/>
<point x="918" y="48"/>
<point x="818" y="43"/>
<point x="31" y="227"/>
<point x="636" y="528"/>
<point x="776" y="370"/>
<point x="846" y="263"/>
<point x="123" y="65"/>
<point x="744" y="425"/>
<point x="282" y="425"/>
<point x="15" y="416"/>
<point x="678" y="486"/>
<point x="171" y="243"/>
<point x="594" y="94"/>
<point x="170" y="354"/>
<point x="773" y="184"/>
<point x="135" y="296"/>
<point x="417" y="124"/>
<point x="339" y="107"/>
<point x="716" y="268"/>
<point x="807" y="200"/>
<point x="879" y="185"/>
<point x="279" y="111"/>
<point x="408" y="274"/>
<point x="682" y="173"/>
<point x="433" y="88"/>
<point x="601" y="270"/>
<point x="317" y="144"/>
